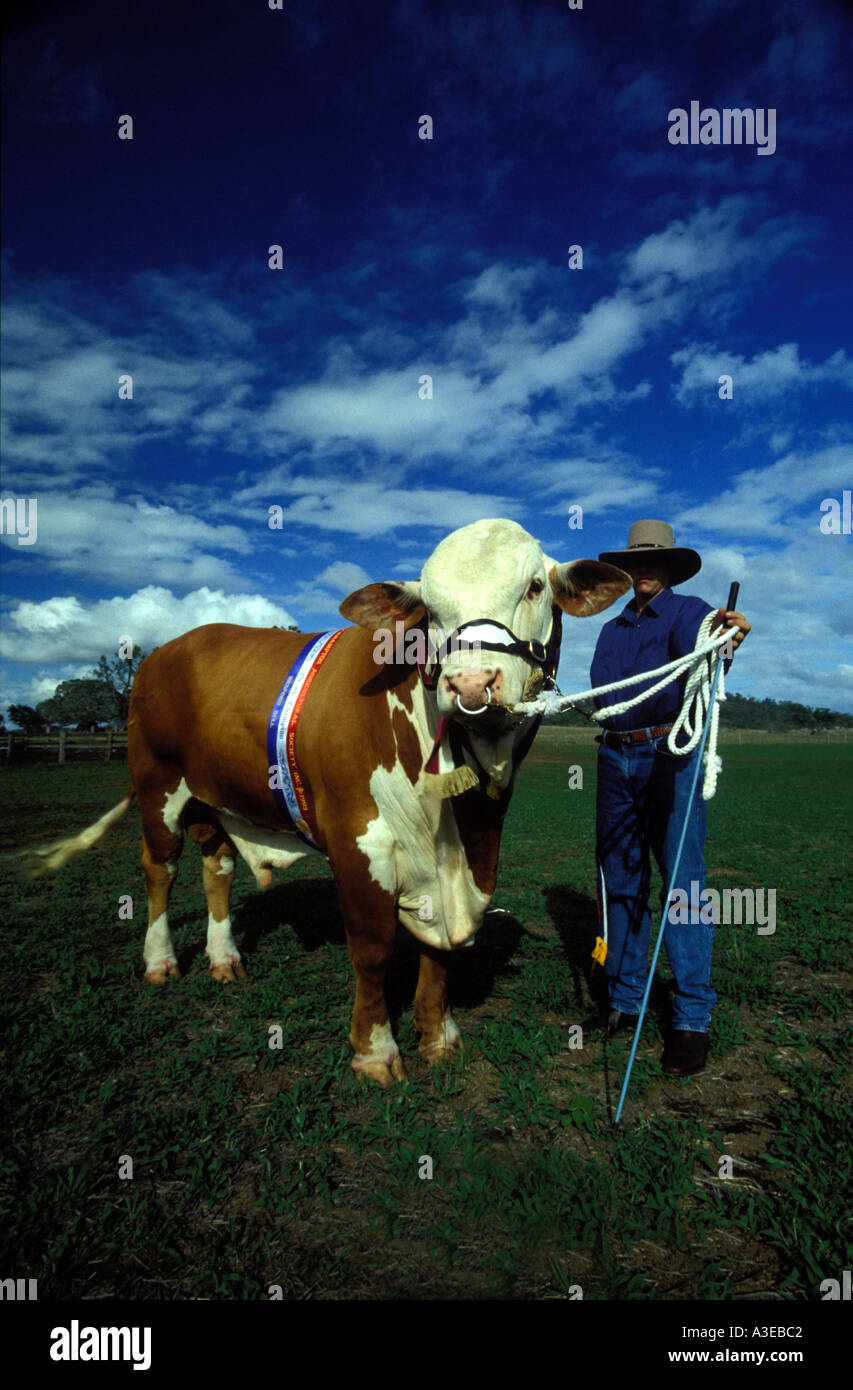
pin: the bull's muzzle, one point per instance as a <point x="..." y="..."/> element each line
<point x="481" y="699"/>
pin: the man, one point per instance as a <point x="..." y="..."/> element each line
<point x="643" y="791"/>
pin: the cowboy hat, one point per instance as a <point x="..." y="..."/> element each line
<point x="655" y="539"/>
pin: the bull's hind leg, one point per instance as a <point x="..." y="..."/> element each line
<point x="219" y="860"/>
<point x="440" y="1038"/>
<point x="160" y="853"/>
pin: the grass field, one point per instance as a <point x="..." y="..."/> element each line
<point x="254" y="1167"/>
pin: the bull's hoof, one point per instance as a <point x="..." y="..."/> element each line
<point x="228" y="972"/>
<point x="383" y="1073"/>
<point x="159" y="974"/>
<point x="438" y="1053"/>
<point x="441" y="1041"/>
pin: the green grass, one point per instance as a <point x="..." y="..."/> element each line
<point x="255" y="1167"/>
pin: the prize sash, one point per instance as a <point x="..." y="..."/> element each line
<point x="288" y="787"/>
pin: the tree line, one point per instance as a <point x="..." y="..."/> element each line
<point x="744" y="712"/>
<point x="103" y="699"/>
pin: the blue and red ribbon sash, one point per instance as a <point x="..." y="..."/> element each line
<point x="291" y="797"/>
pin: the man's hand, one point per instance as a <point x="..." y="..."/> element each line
<point x="736" y="621"/>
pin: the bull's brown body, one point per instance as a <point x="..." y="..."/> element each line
<point x="199" y="713"/>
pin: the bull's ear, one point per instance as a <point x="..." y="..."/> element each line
<point x="380" y="605"/>
<point x="584" y="587"/>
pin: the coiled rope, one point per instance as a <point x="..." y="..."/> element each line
<point x="700" y="665"/>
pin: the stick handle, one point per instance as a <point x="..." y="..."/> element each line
<point x="730" y="608"/>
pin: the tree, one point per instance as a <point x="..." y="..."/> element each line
<point x="803" y="718"/>
<point x="26" y="718"/>
<point x="85" y="702"/>
<point x="117" y="676"/>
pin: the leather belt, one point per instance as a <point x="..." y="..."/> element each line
<point x="614" y="740"/>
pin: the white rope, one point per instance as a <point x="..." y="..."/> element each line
<point x="700" y="664"/>
<point x="694" y="709"/>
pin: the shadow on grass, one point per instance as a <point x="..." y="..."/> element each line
<point x="575" y="918"/>
<point x="309" y="908"/>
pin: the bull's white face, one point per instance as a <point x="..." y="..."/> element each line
<point x="489" y="572"/>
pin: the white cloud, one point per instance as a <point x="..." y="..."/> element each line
<point x="59" y="629"/>
<point x="43" y="686"/>
<point x="772" y="373"/>
<point x="344" y="577"/>
<point x="500" y="286"/>
<point x="780" y="501"/>
<point x="62" y="412"/>
<point x="711" y="243"/>
<point x="592" y="480"/>
<point x="368" y="509"/>
<point x="486" y="375"/>
<point x="94" y="534"/>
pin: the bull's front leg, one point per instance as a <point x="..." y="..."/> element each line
<point x="370" y="919"/>
<point x="439" y="1035"/>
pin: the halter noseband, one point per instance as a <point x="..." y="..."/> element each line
<point x="546" y="656"/>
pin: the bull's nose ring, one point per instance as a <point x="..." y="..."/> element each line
<point x="476" y="711"/>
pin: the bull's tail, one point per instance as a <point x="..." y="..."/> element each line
<point x="46" y="859"/>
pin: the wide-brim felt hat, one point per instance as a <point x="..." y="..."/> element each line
<point x="655" y="539"/>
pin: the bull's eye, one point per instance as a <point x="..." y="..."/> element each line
<point x="535" y="588"/>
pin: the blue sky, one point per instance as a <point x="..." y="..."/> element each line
<point x="403" y="257"/>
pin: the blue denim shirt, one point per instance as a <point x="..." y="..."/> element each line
<point x="666" y="628"/>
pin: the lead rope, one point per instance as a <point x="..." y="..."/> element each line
<point x="695" y="702"/>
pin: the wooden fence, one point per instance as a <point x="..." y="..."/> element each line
<point x="68" y="745"/>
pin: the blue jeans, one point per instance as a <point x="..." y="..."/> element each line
<point x="642" y="798"/>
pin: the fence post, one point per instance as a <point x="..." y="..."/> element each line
<point x="62" y="737"/>
<point x="109" y="751"/>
